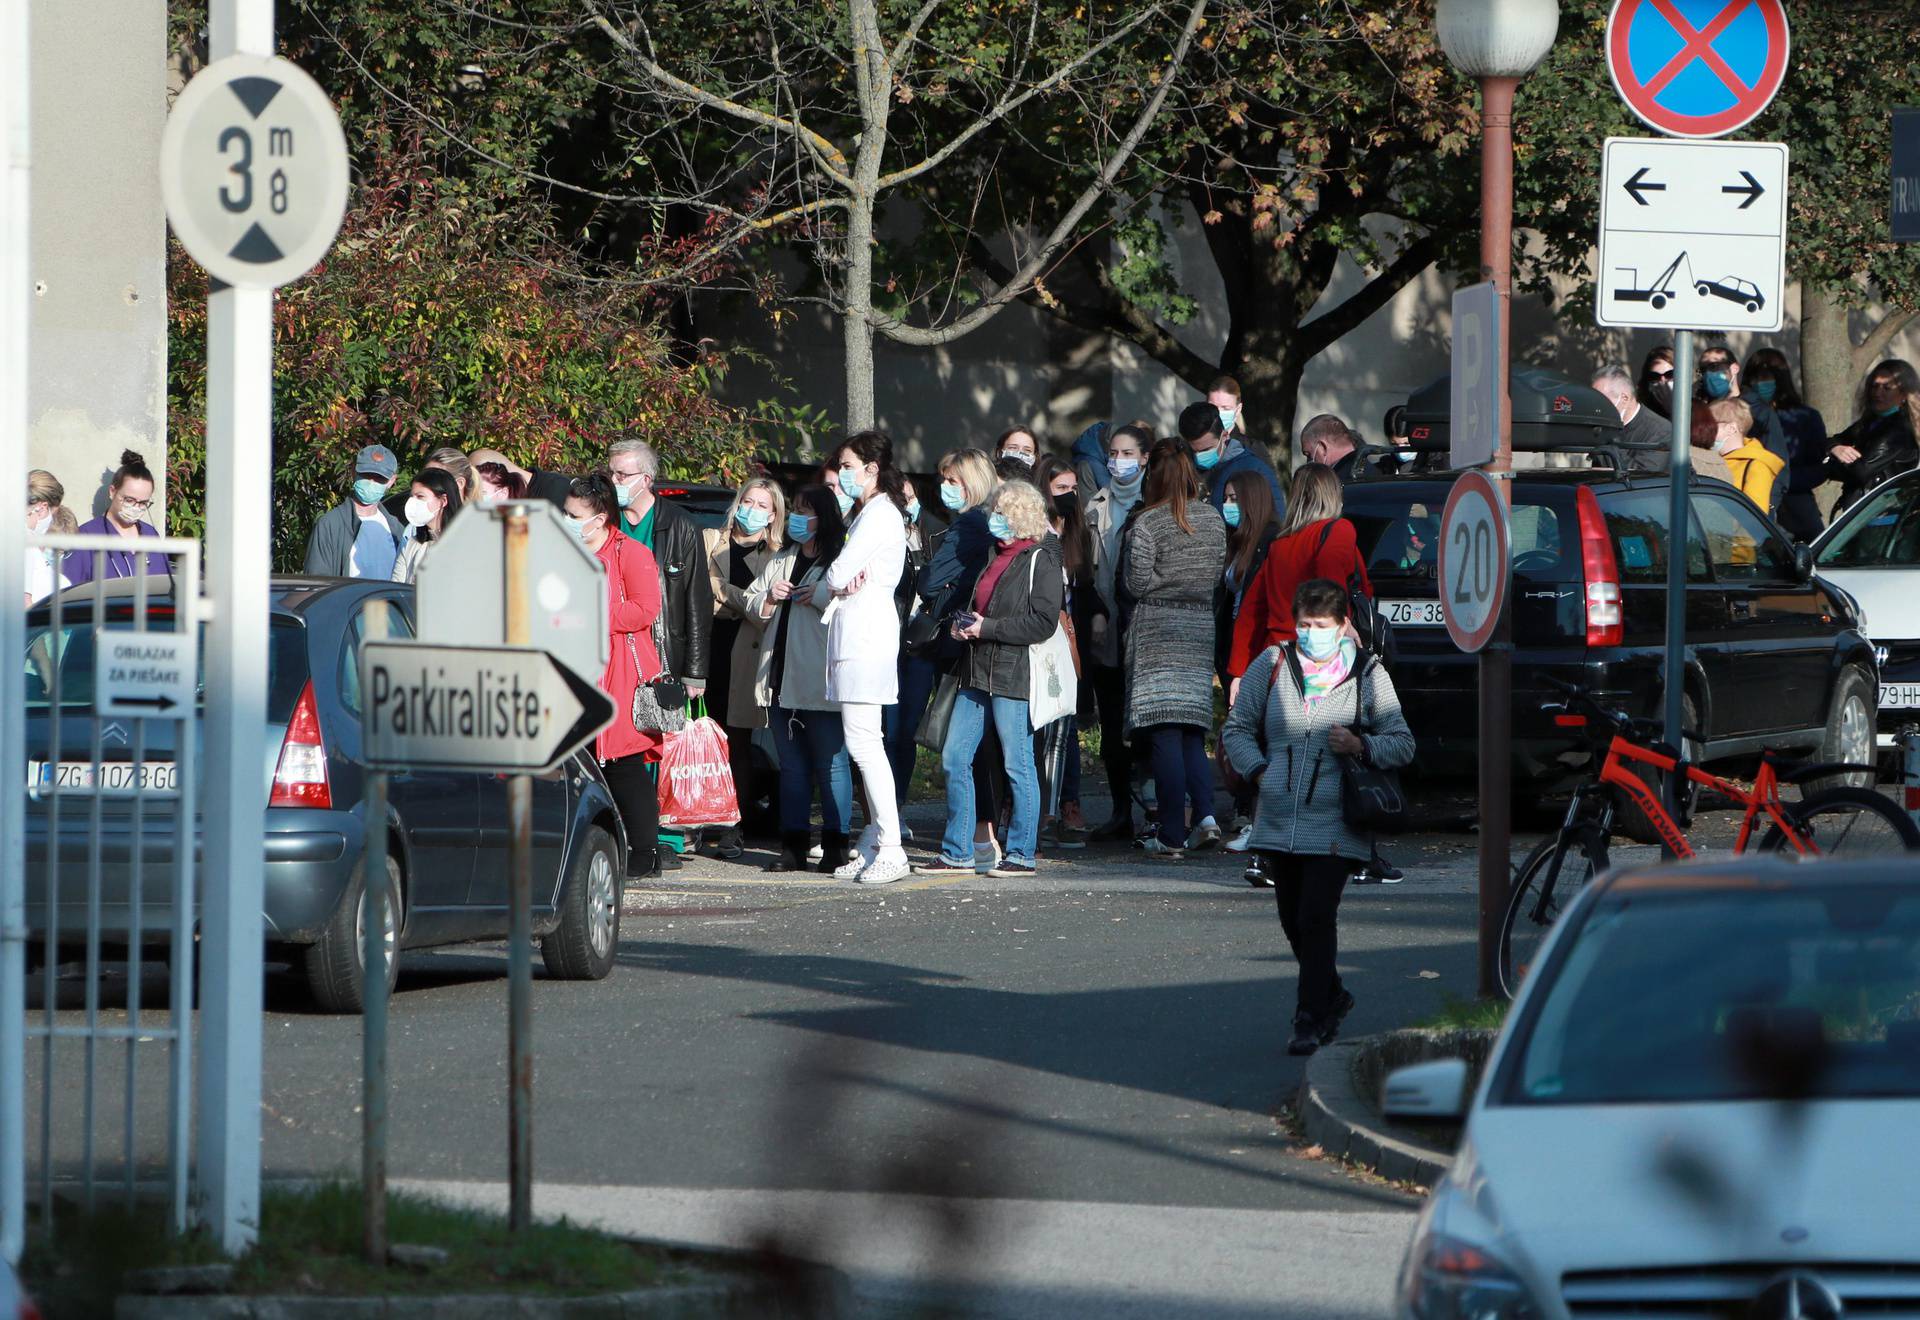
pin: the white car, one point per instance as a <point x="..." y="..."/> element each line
<point x="1705" y="1103"/>
<point x="1872" y="553"/>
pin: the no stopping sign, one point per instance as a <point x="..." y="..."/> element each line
<point x="1474" y="561"/>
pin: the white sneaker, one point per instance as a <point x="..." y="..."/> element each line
<point x="986" y="856"/>
<point x="888" y="866"/>
<point x="815" y="853"/>
<point x="868" y="846"/>
<point x="1205" y="835"/>
<point x="1241" y="840"/>
<point x="853" y="868"/>
<point x="1155" y="848"/>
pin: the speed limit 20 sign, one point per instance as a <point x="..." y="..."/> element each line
<point x="253" y="170"/>
<point x="1474" y="560"/>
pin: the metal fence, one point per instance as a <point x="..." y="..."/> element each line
<point x="112" y="833"/>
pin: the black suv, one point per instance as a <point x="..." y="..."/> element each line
<point x="1775" y="658"/>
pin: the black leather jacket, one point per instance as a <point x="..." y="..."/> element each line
<point x="1024" y="609"/>
<point x="1886" y="446"/>
<point x="685" y="592"/>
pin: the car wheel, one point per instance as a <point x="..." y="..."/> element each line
<point x="1752" y="306"/>
<point x="336" y="974"/>
<point x="1701" y="288"/>
<point x="582" y="947"/>
<point x="1850" y="731"/>
<point x="1658" y="300"/>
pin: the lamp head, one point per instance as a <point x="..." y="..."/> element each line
<point x="1497" y="38"/>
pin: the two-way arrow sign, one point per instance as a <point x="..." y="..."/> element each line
<point x="510" y="709"/>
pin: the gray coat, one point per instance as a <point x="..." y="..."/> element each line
<point x="1271" y="736"/>
<point x="330" y="546"/>
<point x="1169" y="643"/>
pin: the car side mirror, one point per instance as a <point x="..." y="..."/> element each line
<point x="1436" y="1090"/>
<point x="1803" y="562"/>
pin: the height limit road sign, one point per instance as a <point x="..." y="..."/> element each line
<point x="1693" y="235"/>
<point x="1697" y="68"/>
<point x="253" y="169"/>
<point x="1474" y="550"/>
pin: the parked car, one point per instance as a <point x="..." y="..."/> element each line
<point x="1701" y="1104"/>
<point x="448" y="838"/>
<point x="1744" y="292"/>
<point x="1774" y="658"/>
<point x="1872" y="552"/>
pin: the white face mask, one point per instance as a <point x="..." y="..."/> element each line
<point x="419" y="513"/>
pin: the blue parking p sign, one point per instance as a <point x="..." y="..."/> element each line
<point x="1904" y="211"/>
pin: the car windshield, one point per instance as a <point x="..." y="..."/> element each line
<point x="1730" y="994"/>
<point x="1886" y="530"/>
<point x="71" y="651"/>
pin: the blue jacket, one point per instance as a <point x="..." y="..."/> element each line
<point x="1236" y="457"/>
<point x="1089" y="457"/>
<point x="1807" y="447"/>
<point x="962" y="551"/>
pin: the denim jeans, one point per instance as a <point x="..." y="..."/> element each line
<point x="813" y="754"/>
<point x="971" y="709"/>
<point x="917" y="680"/>
<point x="1181" y="774"/>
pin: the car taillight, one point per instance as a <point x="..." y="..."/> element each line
<point x="300" y="779"/>
<point x="1606" y="624"/>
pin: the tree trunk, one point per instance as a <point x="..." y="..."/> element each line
<point x="856" y="316"/>
<point x="1826" y="357"/>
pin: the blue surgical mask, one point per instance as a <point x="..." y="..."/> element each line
<point x="752" y="519"/>
<point x="850" y="483"/>
<point x="1718" y="384"/>
<point x="844" y="500"/>
<point x="1226" y="419"/>
<point x="1231" y="512"/>
<point x="622" y="493"/>
<point x="1765" y="389"/>
<point x="913" y="511"/>
<point x="1123" y="470"/>
<point x="953" y="496"/>
<point x="368" y="491"/>
<point x="1888" y="412"/>
<point x="799" y="526"/>
<point x="577" y="526"/>
<point x="1319" y="643"/>
<point x="1001" y="529"/>
<point x="1206" y="458"/>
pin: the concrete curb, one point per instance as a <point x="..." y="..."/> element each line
<point x="1342" y="1122"/>
<point x="718" y="1299"/>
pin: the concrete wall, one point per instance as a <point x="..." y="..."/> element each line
<point x="99" y="357"/>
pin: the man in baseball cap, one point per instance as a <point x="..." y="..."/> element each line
<point x="358" y="538"/>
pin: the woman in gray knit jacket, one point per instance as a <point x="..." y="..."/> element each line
<point x="1303" y="708"/>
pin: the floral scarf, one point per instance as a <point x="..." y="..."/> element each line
<point x="1323" y="676"/>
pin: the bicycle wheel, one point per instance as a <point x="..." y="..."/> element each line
<point x="1528" y="919"/>
<point x="1844" y="822"/>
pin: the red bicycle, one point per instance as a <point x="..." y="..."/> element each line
<point x="1833" y="821"/>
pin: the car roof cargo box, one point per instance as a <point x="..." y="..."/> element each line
<point x="1550" y="412"/>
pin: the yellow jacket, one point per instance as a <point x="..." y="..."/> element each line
<point x="1755" y="469"/>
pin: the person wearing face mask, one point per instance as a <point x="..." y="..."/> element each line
<point x="129" y="498"/>
<point x="790" y="597"/>
<point x="531" y="483"/>
<point x="863" y="644"/>
<point x="1883" y="437"/>
<point x="1251" y="530"/>
<point x="431" y="503"/>
<point x="1224" y="395"/>
<point x="1100" y="650"/>
<point x="1172" y="553"/>
<point x="1020" y="445"/>
<point x="1656" y="381"/>
<point x="626" y="754"/>
<point x="358" y="538"/>
<point x="1057" y="747"/>
<point x="1305" y="705"/>
<point x="1768" y="377"/>
<point x="44" y="496"/>
<point x="1218" y="458"/>
<point x="1720" y="379"/>
<point x="1646" y="436"/>
<point x="1750" y="467"/>
<point x="737" y="552"/>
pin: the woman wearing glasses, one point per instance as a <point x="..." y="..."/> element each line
<point x="128" y="500"/>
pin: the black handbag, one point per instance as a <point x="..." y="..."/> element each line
<point x="924" y="630"/>
<point x="1371" y="799"/>
<point x="932" y="733"/>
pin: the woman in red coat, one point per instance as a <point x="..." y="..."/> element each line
<point x="633" y="603"/>
<point x="1314" y="542"/>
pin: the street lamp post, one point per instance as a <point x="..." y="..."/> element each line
<point x="1499" y="42"/>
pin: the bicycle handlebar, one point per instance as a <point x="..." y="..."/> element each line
<point x="1635" y="728"/>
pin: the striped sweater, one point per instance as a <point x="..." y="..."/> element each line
<point x="1270" y="735"/>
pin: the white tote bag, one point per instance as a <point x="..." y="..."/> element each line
<point x="1052" y="688"/>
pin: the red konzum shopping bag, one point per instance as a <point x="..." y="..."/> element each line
<point x="696" y="783"/>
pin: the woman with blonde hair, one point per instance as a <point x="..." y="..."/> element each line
<point x="45" y="496"/>
<point x="1314" y="541"/>
<point x="1015" y="603"/>
<point x="737" y="552"/>
<point x="459" y="467"/>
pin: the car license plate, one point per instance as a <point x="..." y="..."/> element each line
<point x="108" y="777"/>
<point x="1899" y="696"/>
<point x="1413" y="613"/>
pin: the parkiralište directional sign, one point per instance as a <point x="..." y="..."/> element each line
<point x="253" y="170"/>
<point x="461" y="587"/>
<point x="1474" y="560"/>
<point x="152" y="675"/>
<point x="1697" y="68"/>
<point x="1693" y="235"/>
<point x="510" y="709"/>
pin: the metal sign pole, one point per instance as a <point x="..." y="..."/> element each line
<point x="16" y="265"/>
<point x="1678" y="520"/>
<point x="520" y="927"/>
<point x="239" y="534"/>
<point x="373" y="1023"/>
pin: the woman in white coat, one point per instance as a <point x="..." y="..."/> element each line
<point x="863" y="641"/>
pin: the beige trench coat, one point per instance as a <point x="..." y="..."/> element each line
<point x="730" y="602"/>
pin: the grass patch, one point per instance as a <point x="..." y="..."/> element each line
<point x="1458" y="1014"/>
<point x="309" y="1243"/>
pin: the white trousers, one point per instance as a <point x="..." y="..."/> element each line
<point x="868" y="750"/>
